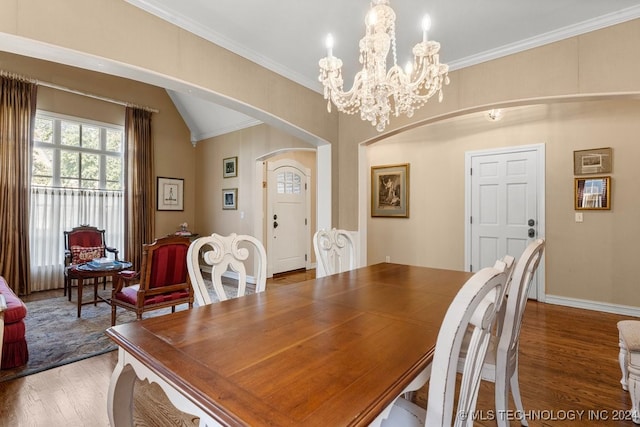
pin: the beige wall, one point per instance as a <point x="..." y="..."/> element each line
<point x="599" y="64"/>
<point x="593" y="260"/>
<point x="174" y="154"/>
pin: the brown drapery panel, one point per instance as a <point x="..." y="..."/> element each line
<point x="17" y="118"/>
<point x="139" y="190"/>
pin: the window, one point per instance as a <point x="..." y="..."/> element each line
<point x="77" y="178"/>
<point x="72" y="154"/>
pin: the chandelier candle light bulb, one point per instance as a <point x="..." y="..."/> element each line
<point x="378" y="91"/>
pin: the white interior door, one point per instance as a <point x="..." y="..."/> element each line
<point x="506" y="211"/>
<point x="288" y="215"/>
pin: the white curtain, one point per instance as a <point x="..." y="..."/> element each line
<point x="55" y="210"/>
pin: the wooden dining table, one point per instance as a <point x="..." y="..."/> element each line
<point x="332" y="351"/>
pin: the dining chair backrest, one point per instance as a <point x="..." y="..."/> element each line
<point x="516" y="300"/>
<point x="474" y="308"/>
<point x="507" y="265"/>
<point x="335" y="250"/>
<point x="223" y="253"/>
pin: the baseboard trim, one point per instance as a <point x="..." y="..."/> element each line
<point x="605" y="307"/>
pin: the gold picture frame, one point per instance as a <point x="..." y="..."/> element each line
<point x="592" y="162"/>
<point x="390" y="191"/>
<point x="592" y="193"/>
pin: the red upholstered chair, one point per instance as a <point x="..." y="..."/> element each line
<point x="162" y="282"/>
<point x="82" y="244"/>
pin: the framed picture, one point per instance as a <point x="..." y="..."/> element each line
<point x="589" y="162"/>
<point x="170" y="194"/>
<point x="593" y="193"/>
<point x="230" y="167"/>
<point x="390" y="191"/>
<point x="230" y="198"/>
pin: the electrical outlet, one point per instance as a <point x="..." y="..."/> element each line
<point x="387" y="259"/>
<point x="579" y="217"/>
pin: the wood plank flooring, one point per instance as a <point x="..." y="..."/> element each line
<point x="569" y="376"/>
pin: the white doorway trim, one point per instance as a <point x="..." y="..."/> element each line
<point x="540" y="150"/>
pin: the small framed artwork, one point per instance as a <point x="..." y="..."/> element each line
<point x="170" y="194"/>
<point x="590" y="162"/>
<point x="230" y="198"/>
<point x="230" y="167"/>
<point x="593" y="193"/>
<point x="390" y="191"/>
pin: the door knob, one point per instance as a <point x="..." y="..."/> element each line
<point x="531" y="232"/>
<point x="531" y="222"/>
<point x="275" y="224"/>
<point x="275" y="216"/>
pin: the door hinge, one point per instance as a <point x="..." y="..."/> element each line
<point x="470" y="267"/>
<point x="470" y="220"/>
<point x="305" y="257"/>
<point x="264" y="184"/>
<point x="470" y="171"/>
<point x="305" y="185"/>
<point x="305" y="221"/>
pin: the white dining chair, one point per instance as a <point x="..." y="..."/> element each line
<point x="335" y="251"/>
<point x="501" y="363"/>
<point x="474" y="308"/>
<point x="224" y="253"/>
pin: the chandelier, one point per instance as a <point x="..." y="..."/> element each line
<point x="377" y="92"/>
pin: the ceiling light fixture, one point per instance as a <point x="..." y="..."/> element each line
<point x="374" y="88"/>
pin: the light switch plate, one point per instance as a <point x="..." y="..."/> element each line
<point x="579" y="217"/>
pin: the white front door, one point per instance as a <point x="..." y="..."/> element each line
<point x="287" y="218"/>
<point x="506" y="205"/>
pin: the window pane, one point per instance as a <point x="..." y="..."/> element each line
<point x="42" y="163"/>
<point x="90" y="137"/>
<point x="90" y="166"/>
<point x="114" y="140"/>
<point x="113" y="185"/>
<point x="114" y="170"/>
<point x="43" y="131"/>
<point x="69" y="165"/>
<point x="41" y="180"/>
<point x="70" y="183"/>
<point x="93" y="184"/>
<point x="70" y="134"/>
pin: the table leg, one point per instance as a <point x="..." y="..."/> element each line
<point x="120" y="398"/>
<point x="79" y="295"/>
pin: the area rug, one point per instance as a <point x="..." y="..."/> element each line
<point x="56" y="336"/>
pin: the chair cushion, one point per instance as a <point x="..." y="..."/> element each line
<point x="130" y="295"/>
<point x="81" y="254"/>
<point x="630" y="333"/>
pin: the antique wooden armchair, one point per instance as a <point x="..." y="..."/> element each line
<point x="82" y="244"/>
<point x="162" y="281"/>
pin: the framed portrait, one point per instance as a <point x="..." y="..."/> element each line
<point x="593" y="193"/>
<point x="590" y="162"/>
<point x="230" y="198"/>
<point x="230" y="167"/>
<point x="390" y="191"/>
<point x="170" y="194"/>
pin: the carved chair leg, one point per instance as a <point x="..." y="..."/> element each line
<point x="623" y="359"/>
<point x="633" y="383"/>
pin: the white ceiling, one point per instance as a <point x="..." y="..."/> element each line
<point x="287" y="36"/>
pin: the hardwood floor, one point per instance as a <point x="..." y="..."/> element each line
<point x="569" y="376"/>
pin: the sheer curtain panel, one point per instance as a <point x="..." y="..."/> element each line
<point x="54" y="210"/>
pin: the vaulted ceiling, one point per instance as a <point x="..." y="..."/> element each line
<point x="287" y="36"/>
